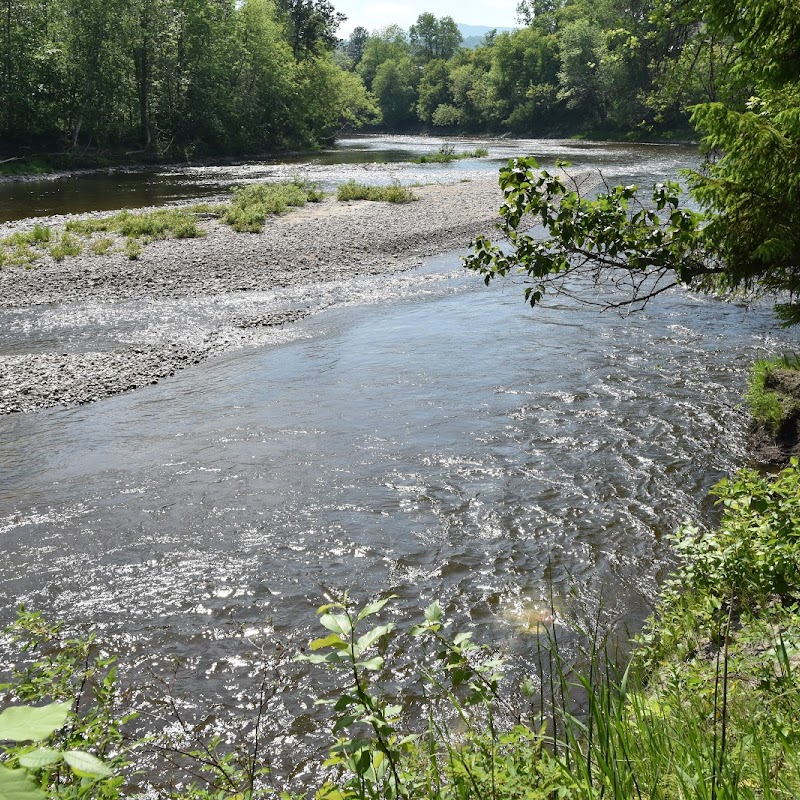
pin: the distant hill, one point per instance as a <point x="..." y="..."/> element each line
<point x="474" y="34"/>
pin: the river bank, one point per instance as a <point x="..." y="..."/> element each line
<point x="318" y="243"/>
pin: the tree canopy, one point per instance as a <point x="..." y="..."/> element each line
<point x="746" y="239"/>
<point x="176" y="77"/>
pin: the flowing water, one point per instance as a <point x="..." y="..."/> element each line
<point x="424" y="436"/>
<point x="367" y="159"/>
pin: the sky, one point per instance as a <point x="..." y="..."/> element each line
<point x="372" y="14"/>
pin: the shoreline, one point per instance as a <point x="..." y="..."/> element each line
<point x="319" y="243"/>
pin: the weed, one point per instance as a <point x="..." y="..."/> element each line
<point x="253" y="203"/>
<point x="101" y="246"/>
<point x="447" y="154"/>
<point x="132" y="249"/>
<point x="170" y="223"/>
<point x="394" y="193"/>
<point x="765" y="404"/>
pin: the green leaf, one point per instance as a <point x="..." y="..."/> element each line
<point x="29" y="724"/>
<point x="37" y="759"/>
<point x="372" y="664"/>
<point x="16" y="784"/>
<point x="374" y="608"/>
<point x="433" y="613"/>
<point x="338" y="623"/>
<point x="85" y="765"/>
<point x="334" y="640"/>
<point x="372" y="636"/>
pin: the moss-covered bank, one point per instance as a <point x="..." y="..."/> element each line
<point x="774" y="399"/>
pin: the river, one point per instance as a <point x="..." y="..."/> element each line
<point x="425" y="436"/>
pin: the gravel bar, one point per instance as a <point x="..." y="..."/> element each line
<point x="320" y="242"/>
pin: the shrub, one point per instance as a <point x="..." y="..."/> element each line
<point x="254" y="202"/>
<point x="765" y="404"/>
<point x="101" y="246"/>
<point x="133" y="249"/>
<point x="447" y="153"/>
<point x="393" y="193"/>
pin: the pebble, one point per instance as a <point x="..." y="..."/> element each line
<point x="320" y="242"/>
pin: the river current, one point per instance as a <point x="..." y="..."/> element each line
<point x="424" y="436"/>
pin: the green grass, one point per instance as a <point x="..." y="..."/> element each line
<point x="31" y="166"/>
<point x="247" y="212"/>
<point x="447" y="154"/>
<point x="394" y="193"/>
<point x="169" y="223"/>
<point x="101" y="246"/>
<point x="68" y="245"/>
<point x="133" y="248"/>
<point x="23" y="249"/>
<point x="253" y="203"/>
<point x="766" y="406"/>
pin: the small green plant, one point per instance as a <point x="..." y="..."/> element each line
<point x="23" y="249"/>
<point x="132" y="249"/>
<point x="253" y="203"/>
<point x="447" y="153"/>
<point x="393" y="193"/>
<point x="766" y="405"/>
<point x="79" y="751"/>
<point x="101" y="246"/>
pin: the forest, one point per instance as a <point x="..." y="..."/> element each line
<point x="177" y="79"/>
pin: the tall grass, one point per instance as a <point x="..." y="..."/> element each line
<point x="447" y="153"/>
<point x="765" y="404"/>
<point x="393" y="193"/>
<point x="23" y="249"/>
<point x="166" y="223"/>
<point x="253" y="203"/>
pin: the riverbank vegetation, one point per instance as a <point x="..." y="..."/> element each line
<point x="88" y="83"/>
<point x="704" y="708"/>
<point x="393" y="193"/>
<point x="745" y="241"/>
<point x="572" y="68"/>
<point x="104" y="84"/>
<point x="246" y="212"/>
<point x="447" y="153"/>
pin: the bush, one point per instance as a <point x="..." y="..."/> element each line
<point x="394" y="193"/>
<point x="167" y="223"/>
<point x="254" y="202"/>
<point x="447" y="153"/>
<point x="766" y="405"/>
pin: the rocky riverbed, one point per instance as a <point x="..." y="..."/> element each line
<point x="319" y="243"/>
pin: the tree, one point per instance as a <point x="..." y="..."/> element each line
<point x="434" y="89"/>
<point x="354" y="48"/>
<point x="389" y="43"/>
<point x="434" y="38"/>
<point x="747" y="239"/>
<point x="311" y="25"/>
<point x="394" y="88"/>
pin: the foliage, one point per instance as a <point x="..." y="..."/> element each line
<point x="83" y="76"/>
<point x="749" y="238"/>
<point x="168" y="223"/>
<point x="80" y="749"/>
<point x="755" y="551"/>
<point x="709" y="726"/>
<point x="253" y="202"/>
<point x="393" y="193"/>
<point x="765" y="405"/>
<point x="447" y="153"/>
<point x="431" y="38"/>
<point x="613" y="240"/>
<point x="23" y="249"/>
